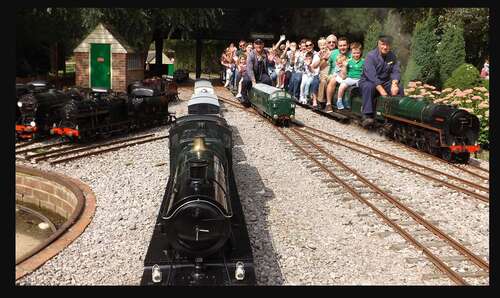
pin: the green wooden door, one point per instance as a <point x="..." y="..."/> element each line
<point x="100" y="65"/>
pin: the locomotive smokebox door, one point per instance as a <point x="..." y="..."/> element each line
<point x="100" y="65"/>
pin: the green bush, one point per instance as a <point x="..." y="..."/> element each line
<point x="451" y="50"/>
<point x="423" y="63"/>
<point x="485" y="83"/>
<point x="464" y="77"/>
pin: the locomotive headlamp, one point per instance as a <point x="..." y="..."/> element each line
<point x="275" y="116"/>
<point x="198" y="144"/>
<point x="19" y="104"/>
<point x="33" y="123"/>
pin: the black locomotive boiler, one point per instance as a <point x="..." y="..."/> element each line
<point x="200" y="236"/>
<point x="39" y="107"/>
<point x="100" y="113"/>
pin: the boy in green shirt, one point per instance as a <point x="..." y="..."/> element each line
<point x="351" y="72"/>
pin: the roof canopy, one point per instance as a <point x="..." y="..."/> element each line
<point x="104" y="34"/>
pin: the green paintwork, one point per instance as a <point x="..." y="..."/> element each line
<point x="272" y="101"/>
<point x="100" y="65"/>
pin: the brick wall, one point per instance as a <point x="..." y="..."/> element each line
<point x="45" y="193"/>
<point x="119" y="73"/>
<point x="82" y="69"/>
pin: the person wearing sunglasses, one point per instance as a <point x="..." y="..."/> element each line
<point x="311" y="69"/>
<point x="334" y="76"/>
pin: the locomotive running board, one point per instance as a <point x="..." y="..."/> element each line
<point x="333" y="115"/>
<point x="220" y="269"/>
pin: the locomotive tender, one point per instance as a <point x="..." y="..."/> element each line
<point x="438" y="129"/>
<point x="200" y="236"/>
<point x="204" y="100"/>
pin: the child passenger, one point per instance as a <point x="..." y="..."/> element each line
<point x="351" y="72"/>
<point x="242" y="68"/>
<point x="307" y="77"/>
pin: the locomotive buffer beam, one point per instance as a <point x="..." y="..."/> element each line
<point x="233" y="265"/>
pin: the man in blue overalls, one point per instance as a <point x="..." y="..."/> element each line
<point x="381" y="76"/>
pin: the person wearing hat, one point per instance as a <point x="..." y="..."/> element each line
<point x="381" y="76"/>
<point x="257" y="69"/>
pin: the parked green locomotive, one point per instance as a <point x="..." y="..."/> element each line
<point x="273" y="103"/>
<point x="442" y="130"/>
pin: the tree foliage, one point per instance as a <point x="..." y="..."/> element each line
<point x="451" y="50"/>
<point x="476" y="30"/>
<point x="39" y="28"/>
<point x="401" y="41"/>
<point x="424" y="64"/>
<point x="371" y="36"/>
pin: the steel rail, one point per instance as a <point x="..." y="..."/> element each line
<point x="434" y="259"/>
<point x="432" y="228"/>
<point x="41" y="147"/>
<point x="479" y="187"/>
<point x="106" y="150"/>
<point x="80" y="148"/>
<point x="461" y="189"/>
<point x="446" y="162"/>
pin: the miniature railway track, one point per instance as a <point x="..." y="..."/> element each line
<point x="433" y="157"/>
<point x="475" y="190"/>
<point x="421" y="233"/>
<point x="67" y="153"/>
<point x="43" y="147"/>
<point x="390" y="209"/>
<point x="457" y="183"/>
<point x="479" y="171"/>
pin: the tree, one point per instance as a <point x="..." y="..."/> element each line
<point x="423" y="64"/>
<point x="451" y="50"/>
<point x="371" y="36"/>
<point x="401" y="41"/>
<point x="476" y="31"/>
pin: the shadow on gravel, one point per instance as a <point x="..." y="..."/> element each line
<point x="253" y="196"/>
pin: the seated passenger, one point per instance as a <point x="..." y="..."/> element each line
<point x="307" y="78"/>
<point x="331" y="45"/>
<point x="228" y="62"/>
<point x="257" y="69"/>
<point x="352" y="70"/>
<point x="242" y="66"/>
<point x="343" y="47"/>
<point x="319" y="81"/>
<point x="381" y="75"/>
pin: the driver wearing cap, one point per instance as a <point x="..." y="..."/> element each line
<point x="381" y="76"/>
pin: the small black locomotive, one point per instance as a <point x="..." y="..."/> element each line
<point x="39" y="106"/>
<point x="200" y="236"/>
<point x="99" y="112"/>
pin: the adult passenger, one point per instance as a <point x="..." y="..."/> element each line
<point x="257" y="69"/>
<point x="343" y="49"/>
<point x="381" y="76"/>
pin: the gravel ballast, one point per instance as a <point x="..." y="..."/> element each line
<point x="303" y="230"/>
